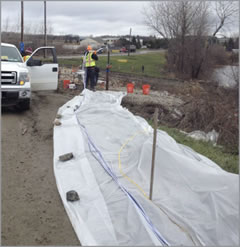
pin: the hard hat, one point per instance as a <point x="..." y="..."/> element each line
<point x="29" y="50"/>
<point x="89" y="48"/>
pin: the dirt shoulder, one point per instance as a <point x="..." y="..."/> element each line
<point x="32" y="211"/>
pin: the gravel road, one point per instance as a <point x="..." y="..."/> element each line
<point x="32" y="210"/>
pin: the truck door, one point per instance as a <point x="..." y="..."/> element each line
<point x="43" y="69"/>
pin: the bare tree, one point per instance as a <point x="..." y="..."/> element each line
<point x="225" y="12"/>
<point x="37" y="28"/>
<point x="5" y="24"/>
<point x="17" y="26"/>
<point x="180" y="22"/>
<point x="28" y="27"/>
<point x="186" y="24"/>
<point x="8" y="26"/>
<point x="49" y="27"/>
<point x="172" y="19"/>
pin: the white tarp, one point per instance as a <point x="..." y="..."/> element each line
<point x="195" y="202"/>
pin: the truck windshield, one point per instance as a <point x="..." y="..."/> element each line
<point x="10" y="54"/>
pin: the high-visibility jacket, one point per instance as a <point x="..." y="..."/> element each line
<point x="89" y="61"/>
<point x="25" y="58"/>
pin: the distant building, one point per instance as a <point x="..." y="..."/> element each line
<point x="110" y="40"/>
<point x="71" y="46"/>
<point x="94" y="42"/>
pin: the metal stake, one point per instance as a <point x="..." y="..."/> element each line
<point x="155" y="117"/>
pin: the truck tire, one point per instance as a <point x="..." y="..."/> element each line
<point x="24" y="105"/>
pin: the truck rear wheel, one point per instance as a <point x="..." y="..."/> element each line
<point x="24" y="105"/>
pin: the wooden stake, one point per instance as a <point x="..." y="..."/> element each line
<point x="155" y="117"/>
<point x="107" y="70"/>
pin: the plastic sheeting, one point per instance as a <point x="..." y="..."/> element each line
<point x="195" y="202"/>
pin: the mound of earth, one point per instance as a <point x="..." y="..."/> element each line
<point x="186" y="105"/>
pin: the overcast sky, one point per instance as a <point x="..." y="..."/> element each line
<point x="81" y="18"/>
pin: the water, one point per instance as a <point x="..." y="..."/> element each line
<point x="226" y="76"/>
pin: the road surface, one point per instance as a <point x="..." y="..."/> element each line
<point x="32" y="210"/>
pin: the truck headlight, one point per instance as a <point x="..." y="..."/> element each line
<point x="23" y="77"/>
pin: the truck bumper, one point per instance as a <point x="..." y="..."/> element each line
<point x="13" y="94"/>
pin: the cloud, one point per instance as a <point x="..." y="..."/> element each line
<point x="82" y="18"/>
<point x="86" y="17"/>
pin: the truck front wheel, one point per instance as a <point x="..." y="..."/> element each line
<point x="24" y="105"/>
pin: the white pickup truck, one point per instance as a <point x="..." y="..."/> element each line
<point x="19" y="78"/>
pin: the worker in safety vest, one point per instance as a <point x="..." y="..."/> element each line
<point x="90" y="64"/>
<point x="28" y="52"/>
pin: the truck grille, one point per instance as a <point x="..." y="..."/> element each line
<point x="8" y="77"/>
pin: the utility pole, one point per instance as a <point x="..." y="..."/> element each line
<point x="22" y="30"/>
<point x="45" y="27"/>
<point x="153" y="151"/>
<point x="129" y="41"/>
<point x="22" y="21"/>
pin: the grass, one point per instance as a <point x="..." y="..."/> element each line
<point x="153" y="63"/>
<point x="69" y="61"/>
<point x="226" y="161"/>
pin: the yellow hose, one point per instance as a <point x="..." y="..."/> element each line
<point x="120" y="165"/>
<point x="138" y="186"/>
